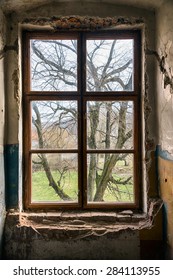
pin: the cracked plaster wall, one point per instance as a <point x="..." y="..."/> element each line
<point x="165" y="115"/>
<point x="39" y="18"/>
<point x="165" y="76"/>
<point x="2" y="119"/>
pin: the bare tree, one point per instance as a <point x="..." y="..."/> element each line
<point x="109" y="68"/>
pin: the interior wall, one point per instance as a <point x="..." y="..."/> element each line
<point x="41" y="17"/>
<point x="38" y="18"/>
<point x="164" y="58"/>
<point x="2" y="114"/>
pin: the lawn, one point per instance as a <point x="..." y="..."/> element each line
<point x="42" y="192"/>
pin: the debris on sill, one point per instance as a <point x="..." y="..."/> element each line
<point x="90" y="223"/>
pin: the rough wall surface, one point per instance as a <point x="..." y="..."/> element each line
<point x="2" y="109"/>
<point x="49" y="241"/>
<point x="124" y="246"/>
<point x="10" y="5"/>
<point x="41" y="18"/>
<point x="165" y="110"/>
<point x="165" y="76"/>
<point x="24" y="240"/>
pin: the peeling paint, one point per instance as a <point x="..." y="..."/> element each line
<point x="78" y="227"/>
<point x="148" y="141"/>
<point x="165" y="103"/>
<point x="165" y="70"/>
<point x="15" y="79"/>
<point x="164" y="154"/>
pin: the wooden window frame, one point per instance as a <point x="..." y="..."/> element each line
<point x="82" y="96"/>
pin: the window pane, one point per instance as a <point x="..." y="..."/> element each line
<point x="54" y="124"/>
<point x="54" y="65"/>
<point x="110" y="178"/>
<point x="110" y="125"/>
<point x="54" y="178"/>
<point x="110" y="65"/>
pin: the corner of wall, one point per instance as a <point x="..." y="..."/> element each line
<point x="165" y="117"/>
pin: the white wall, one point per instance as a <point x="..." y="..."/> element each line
<point x="36" y="18"/>
<point x="165" y="114"/>
<point x="165" y="91"/>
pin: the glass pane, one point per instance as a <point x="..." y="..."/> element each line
<point x="54" y="178"/>
<point x="110" y="125"/>
<point x="110" y="178"/>
<point x="53" y="65"/>
<point x="110" y="65"/>
<point x="54" y="124"/>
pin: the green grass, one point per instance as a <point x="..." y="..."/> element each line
<point x="125" y="193"/>
<point x="41" y="191"/>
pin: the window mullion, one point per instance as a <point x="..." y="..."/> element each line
<point x="82" y="115"/>
<point x="84" y="98"/>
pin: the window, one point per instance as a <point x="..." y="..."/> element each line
<point x="82" y="124"/>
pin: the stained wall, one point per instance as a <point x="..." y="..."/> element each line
<point x="165" y="115"/>
<point x="139" y="240"/>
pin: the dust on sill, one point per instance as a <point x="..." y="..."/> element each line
<point x="86" y="223"/>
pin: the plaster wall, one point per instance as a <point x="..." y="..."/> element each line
<point x="165" y="114"/>
<point x="40" y="18"/>
<point x="2" y="119"/>
<point x="49" y="237"/>
<point x="165" y="76"/>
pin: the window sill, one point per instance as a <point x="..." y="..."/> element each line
<point x="97" y="221"/>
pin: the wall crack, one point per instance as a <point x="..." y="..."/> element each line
<point x="15" y="79"/>
<point x="168" y="77"/>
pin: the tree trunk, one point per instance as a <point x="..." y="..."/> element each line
<point x="110" y="163"/>
<point x="92" y="174"/>
<point x="105" y="177"/>
<point x="51" y="180"/>
<point x="45" y="163"/>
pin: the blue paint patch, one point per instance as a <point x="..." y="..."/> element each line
<point x="163" y="154"/>
<point x="11" y="157"/>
